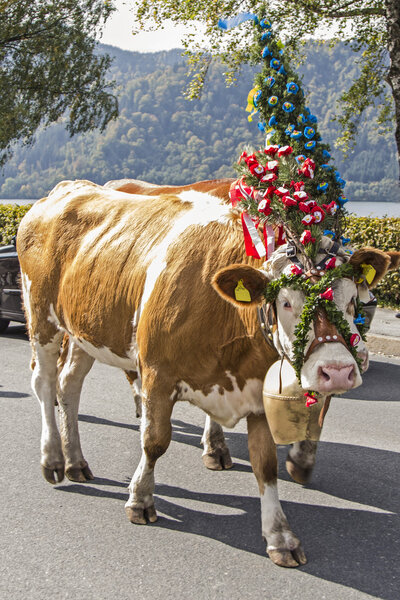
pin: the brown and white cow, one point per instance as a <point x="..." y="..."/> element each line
<point x="140" y="282"/>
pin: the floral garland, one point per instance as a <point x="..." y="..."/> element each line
<point x="318" y="295"/>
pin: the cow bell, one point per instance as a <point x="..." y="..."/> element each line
<point x="289" y="419"/>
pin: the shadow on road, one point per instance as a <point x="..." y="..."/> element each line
<point x="353" y="547"/>
<point x="372" y="388"/>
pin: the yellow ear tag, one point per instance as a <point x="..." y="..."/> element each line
<point x="369" y="273"/>
<point x="241" y="293"/>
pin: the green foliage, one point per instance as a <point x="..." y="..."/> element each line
<point x="10" y="217"/>
<point x="385" y="235"/>
<point x="49" y="65"/>
<point x="162" y="138"/>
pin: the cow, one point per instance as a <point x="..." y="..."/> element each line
<point x="146" y="283"/>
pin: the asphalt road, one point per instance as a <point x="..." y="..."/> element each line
<point x="74" y="541"/>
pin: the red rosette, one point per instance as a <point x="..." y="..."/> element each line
<point x="243" y="155"/>
<point x="269" y="177"/>
<point x="288" y="201"/>
<point x="307" y="168"/>
<point x="285" y="151"/>
<point x="301" y="196"/>
<point x="296" y="270"/>
<point x="307" y="238"/>
<point x="327" y="294"/>
<point x="331" y="263"/>
<point x="310" y="399"/>
<point x="257" y="170"/>
<point x="318" y="214"/>
<point x="264" y="206"/>
<point x="331" y="208"/>
<point x="281" y="191"/>
<point x="271" y="150"/>
<point x="297" y="185"/>
<point x="270" y="190"/>
<point x="355" y="339"/>
<point x="308" y="219"/>
<point x="250" y="160"/>
<point x="272" y="165"/>
<point x="239" y="190"/>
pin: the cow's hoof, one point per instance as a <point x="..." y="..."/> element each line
<point x="141" y="516"/>
<point x="53" y="474"/>
<point x="79" y="474"/>
<point x="298" y="474"/>
<point x="288" y="558"/>
<point x="218" y="459"/>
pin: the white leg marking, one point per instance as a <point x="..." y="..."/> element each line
<point x="141" y="487"/>
<point x="213" y="436"/>
<point x="275" y="527"/>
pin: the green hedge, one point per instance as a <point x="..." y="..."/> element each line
<point x="384" y="234"/>
<point x="363" y="231"/>
<point x="10" y="217"/>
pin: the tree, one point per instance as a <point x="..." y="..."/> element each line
<point x="370" y="27"/>
<point x="49" y="67"/>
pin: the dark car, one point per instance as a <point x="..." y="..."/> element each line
<point x="10" y="290"/>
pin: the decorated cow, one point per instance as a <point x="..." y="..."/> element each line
<point x="150" y="284"/>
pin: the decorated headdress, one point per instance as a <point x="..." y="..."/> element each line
<point x="290" y="183"/>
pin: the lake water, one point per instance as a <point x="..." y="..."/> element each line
<point x="360" y="209"/>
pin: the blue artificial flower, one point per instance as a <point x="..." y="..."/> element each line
<point x="266" y="52"/>
<point x="300" y="159"/>
<point x="272" y="100"/>
<point x="288" y="107"/>
<point x="265" y="24"/>
<point x="359" y="320"/>
<point x="274" y="64"/>
<point x="272" y="121"/>
<point x="322" y="187"/>
<point x="257" y="97"/>
<point x="341" y="182"/>
<point x="329" y="233"/>
<point x="289" y="129"/>
<point x="310" y="145"/>
<point x="349" y="252"/>
<point x="296" y="135"/>
<point x="261" y="127"/>
<point x="307" y="111"/>
<point x="302" y="118"/>
<point x="266" y="35"/>
<point x="325" y="154"/>
<point x="282" y="70"/>
<point x="269" y="81"/>
<point x="312" y="119"/>
<point x="292" y="87"/>
<point x="327" y="167"/>
<point x="309" y="133"/>
<point x="342" y="200"/>
<point x="345" y="240"/>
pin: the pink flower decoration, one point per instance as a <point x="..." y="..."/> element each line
<point x="355" y="339"/>
<point x="310" y="399"/>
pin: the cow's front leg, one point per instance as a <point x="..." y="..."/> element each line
<point x="216" y="455"/>
<point x="283" y="546"/>
<point x="300" y="460"/>
<point x="155" y="437"/>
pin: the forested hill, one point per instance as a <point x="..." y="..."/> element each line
<point x="162" y="138"/>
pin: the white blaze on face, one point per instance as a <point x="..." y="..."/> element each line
<point x="331" y="367"/>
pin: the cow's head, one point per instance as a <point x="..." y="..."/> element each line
<point x="331" y="354"/>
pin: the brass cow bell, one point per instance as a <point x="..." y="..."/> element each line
<point x="289" y="419"/>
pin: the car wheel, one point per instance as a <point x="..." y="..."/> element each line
<point x="4" y="323"/>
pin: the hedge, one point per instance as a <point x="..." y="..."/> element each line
<point x="10" y="217"/>
<point x="363" y="231"/>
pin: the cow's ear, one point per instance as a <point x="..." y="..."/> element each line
<point x="371" y="262"/>
<point x="241" y="285"/>
<point x="394" y="260"/>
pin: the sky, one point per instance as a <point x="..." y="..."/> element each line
<point x="118" y="32"/>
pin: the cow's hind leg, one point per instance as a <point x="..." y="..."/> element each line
<point x="76" y="364"/>
<point x="283" y="546"/>
<point x="155" y="437"/>
<point x="44" y="380"/>
<point x="216" y="455"/>
<point x="300" y="460"/>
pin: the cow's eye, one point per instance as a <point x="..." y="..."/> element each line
<point x="287" y="305"/>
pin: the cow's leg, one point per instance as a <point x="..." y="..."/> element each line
<point x="300" y="460"/>
<point x="155" y="437"/>
<point x="283" y="546"/>
<point x="44" y="381"/>
<point x="216" y="455"/>
<point x="76" y="365"/>
<point x="136" y="386"/>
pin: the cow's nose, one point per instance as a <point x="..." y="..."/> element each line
<point x="336" y="378"/>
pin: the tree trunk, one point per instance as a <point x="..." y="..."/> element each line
<point x="393" y="28"/>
